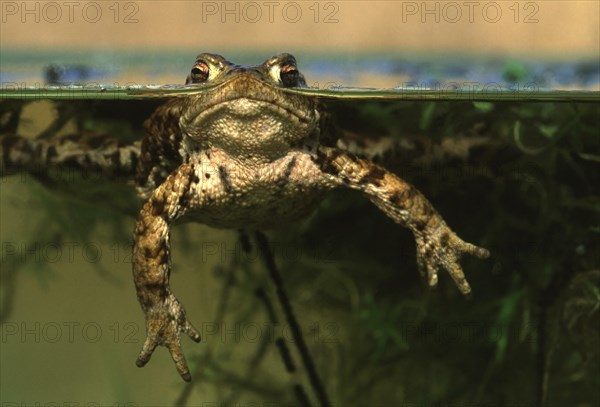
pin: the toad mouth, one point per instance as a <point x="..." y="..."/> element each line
<point x="272" y="104"/>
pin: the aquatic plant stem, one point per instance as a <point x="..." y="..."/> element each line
<point x="307" y="361"/>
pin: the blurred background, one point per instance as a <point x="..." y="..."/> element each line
<point x="368" y="43"/>
<point x="71" y="324"/>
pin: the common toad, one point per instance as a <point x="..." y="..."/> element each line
<point x="246" y="152"/>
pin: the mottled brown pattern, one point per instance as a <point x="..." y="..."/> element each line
<point x="165" y="317"/>
<point x="244" y="153"/>
<point x="160" y="153"/>
<point x="437" y="245"/>
<point x="247" y="154"/>
<point x="85" y="151"/>
<point x="373" y="176"/>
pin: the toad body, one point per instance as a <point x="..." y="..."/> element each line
<point x="247" y="152"/>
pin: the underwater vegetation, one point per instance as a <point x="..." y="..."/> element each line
<point x="520" y="179"/>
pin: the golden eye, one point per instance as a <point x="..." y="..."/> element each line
<point x="289" y="75"/>
<point x="200" y="72"/>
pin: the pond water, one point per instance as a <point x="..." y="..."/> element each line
<point x="511" y="168"/>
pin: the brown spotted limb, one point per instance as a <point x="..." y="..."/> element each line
<point x="84" y="151"/>
<point x="437" y="245"/>
<point x="165" y="316"/>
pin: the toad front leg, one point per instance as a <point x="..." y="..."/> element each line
<point x="437" y="245"/>
<point x="165" y="316"/>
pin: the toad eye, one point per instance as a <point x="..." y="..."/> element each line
<point x="289" y="75"/>
<point x="200" y="72"/>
